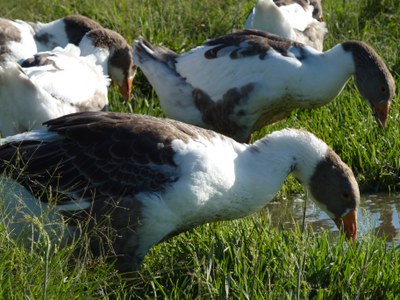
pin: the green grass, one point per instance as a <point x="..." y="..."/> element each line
<point x="244" y="259"/>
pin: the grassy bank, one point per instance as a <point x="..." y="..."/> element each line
<point x="244" y="259"/>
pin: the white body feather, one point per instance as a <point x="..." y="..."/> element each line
<point x="31" y="96"/>
<point x="274" y="78"/>
<point x="224" y="180"/>
<point x="288" y="21"/>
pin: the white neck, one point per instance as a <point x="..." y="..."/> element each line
<point x="332" y="70"/>
<point x="266" y="164"/>
<point x="315" y="81"/>
<point x="102" y="55"/>
<point x="238" y="179"/>
<point x="320" y="77"/>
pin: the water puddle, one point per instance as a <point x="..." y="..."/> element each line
<point x="378" y="213"/>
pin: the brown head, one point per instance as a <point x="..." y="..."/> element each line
<point x="373" y="79"/>
<point x="335" y="189"/>
<point x="120" y="64"/>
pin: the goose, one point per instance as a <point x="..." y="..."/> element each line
<point x="49" y="85"/>
<point x="150" y="179"/>
<point x="112" y="51"/>
<point x="237" y="83"/>
<point x="288" y="19"/>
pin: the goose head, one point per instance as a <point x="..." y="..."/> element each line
<point x="114" y="54"/>
<point x="335" y="189"/>
<point x="373" y="79"/>
<point x="330" y="183"/>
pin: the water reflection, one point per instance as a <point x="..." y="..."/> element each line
<point x="379" y="214"/>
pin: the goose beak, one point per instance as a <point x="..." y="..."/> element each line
<point x="348" y="224"/>
<point x="381" y="111"/>
<point x="126" y="89"/>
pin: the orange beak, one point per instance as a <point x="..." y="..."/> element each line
<point x="348" y="224"/>
<point x="126" y="89"/>
<point x="381" y="111"/>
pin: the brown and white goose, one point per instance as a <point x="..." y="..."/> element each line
<point x="150" y="179"/>
<point x="20" y="40"/>
<point x="49" y="85"/>
<point x="238" y="83"/>
<point x="294" y="20"/>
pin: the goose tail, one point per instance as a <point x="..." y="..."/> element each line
<point x="144" y="51"/>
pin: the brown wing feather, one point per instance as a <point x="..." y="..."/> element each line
<point x="97" y="155"/>
<point x="249" y="42"/>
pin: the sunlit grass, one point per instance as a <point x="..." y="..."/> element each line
<point x="243" y="259"/>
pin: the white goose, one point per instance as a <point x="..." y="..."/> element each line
<point x="49" y="85"/>
<point x="238" y="83"/>
<point x="289" y="19"/>
<point x="153" y="178"/>
<point x="112" y="51"/>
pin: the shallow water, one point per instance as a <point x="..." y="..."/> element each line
<point x="378" y="213"/>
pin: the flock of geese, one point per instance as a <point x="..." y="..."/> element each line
<point x="149" y="178"/>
